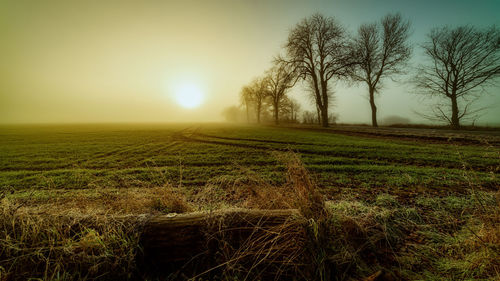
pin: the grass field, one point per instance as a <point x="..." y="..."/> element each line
<point x="402" y="183"/>
<point x="83" y="157"/>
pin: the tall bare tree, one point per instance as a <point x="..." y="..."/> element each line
<point x="280" y="78"/>
<point x="382" y="49"/>
<point x="463" y="61"/>
<point x="317" y="48"/>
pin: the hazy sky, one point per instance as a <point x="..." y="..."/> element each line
<point x="122" y="61"/>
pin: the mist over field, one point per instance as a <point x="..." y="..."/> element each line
<point x="123" y="61"/>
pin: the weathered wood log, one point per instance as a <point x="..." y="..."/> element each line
<point x="171" y="241"/>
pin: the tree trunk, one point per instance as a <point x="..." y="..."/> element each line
<point x="192" y="241"/>
<point x="455" y="121"/>
<point x="324" y="109"/>
<point x="324" y="117"/>
<point x="374" y="108"/>
<point x="318" y="112"/>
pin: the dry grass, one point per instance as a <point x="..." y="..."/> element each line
<point x="245" y="190"/>
<point x="78" y="236"/>
<point x="269" y="252"/>
<point x="307" y="198"/>
<point x="66" y="247"/>
<point x="280" y="252"/>
<point x="155" y="200"/>
<point x="249" y="190"/>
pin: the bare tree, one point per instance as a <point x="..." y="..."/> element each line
<point x="289" y="110"/>
<point x="254" y="96"/>
<point x="294" y="108"/>
<point x="259" y="88"/>
<point x="381" y="50"/>
<point x="318" y="50"/>
<point x="463" y="61"/>
<point x="281" y="77"/>
<point x="246" y="97"/>
<point x="332" y="118"/>
<point x="308" y="117"/>
<point x="284" y="109"/>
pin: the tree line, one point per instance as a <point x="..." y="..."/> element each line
<point x="459" y="64"/>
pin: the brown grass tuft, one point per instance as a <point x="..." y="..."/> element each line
<point x="155" y="200"/>
<point x="168" y="200"/>
<point x="307" y="198"/>
<point x="66" y="247"/>
<point x="249" y="190"/>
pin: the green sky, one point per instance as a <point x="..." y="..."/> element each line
<point x="120" y="61"/>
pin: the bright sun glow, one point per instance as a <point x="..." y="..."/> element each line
<point x="188" y="95"/>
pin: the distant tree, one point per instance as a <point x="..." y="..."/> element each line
<point x="382" y="49"/>
<point x="289" y="110"/>
<point x="462" y="62"/>
<point x="232" y="114"/>
<point x="284" y="110"/>
<point x="254" y="96"/>
<point x="294" y="109"/>
<point x="308" y="117"/>
<point x="259" y="87"/>
<point x="246" y="100"/>
<point x="280" y="78"/>
<point x="317" y="49"/>
<point x="332" y="118"/>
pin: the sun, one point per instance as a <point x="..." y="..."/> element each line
<point x="189" y="95"/>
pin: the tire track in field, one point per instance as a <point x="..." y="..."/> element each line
<point x="256" y="140"/>
<point x="193" y="134"/>
<point x="414" y="136"/>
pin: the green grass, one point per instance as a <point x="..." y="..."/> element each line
<point x="120" y="156"/>
<point x="447" y="238"/>
<point x="419" y="210"/>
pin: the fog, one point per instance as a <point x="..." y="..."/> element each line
<point x="122" y="61"/>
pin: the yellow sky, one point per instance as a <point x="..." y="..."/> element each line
<point x="118" y="61"/>
<point x="113" y="62"/>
